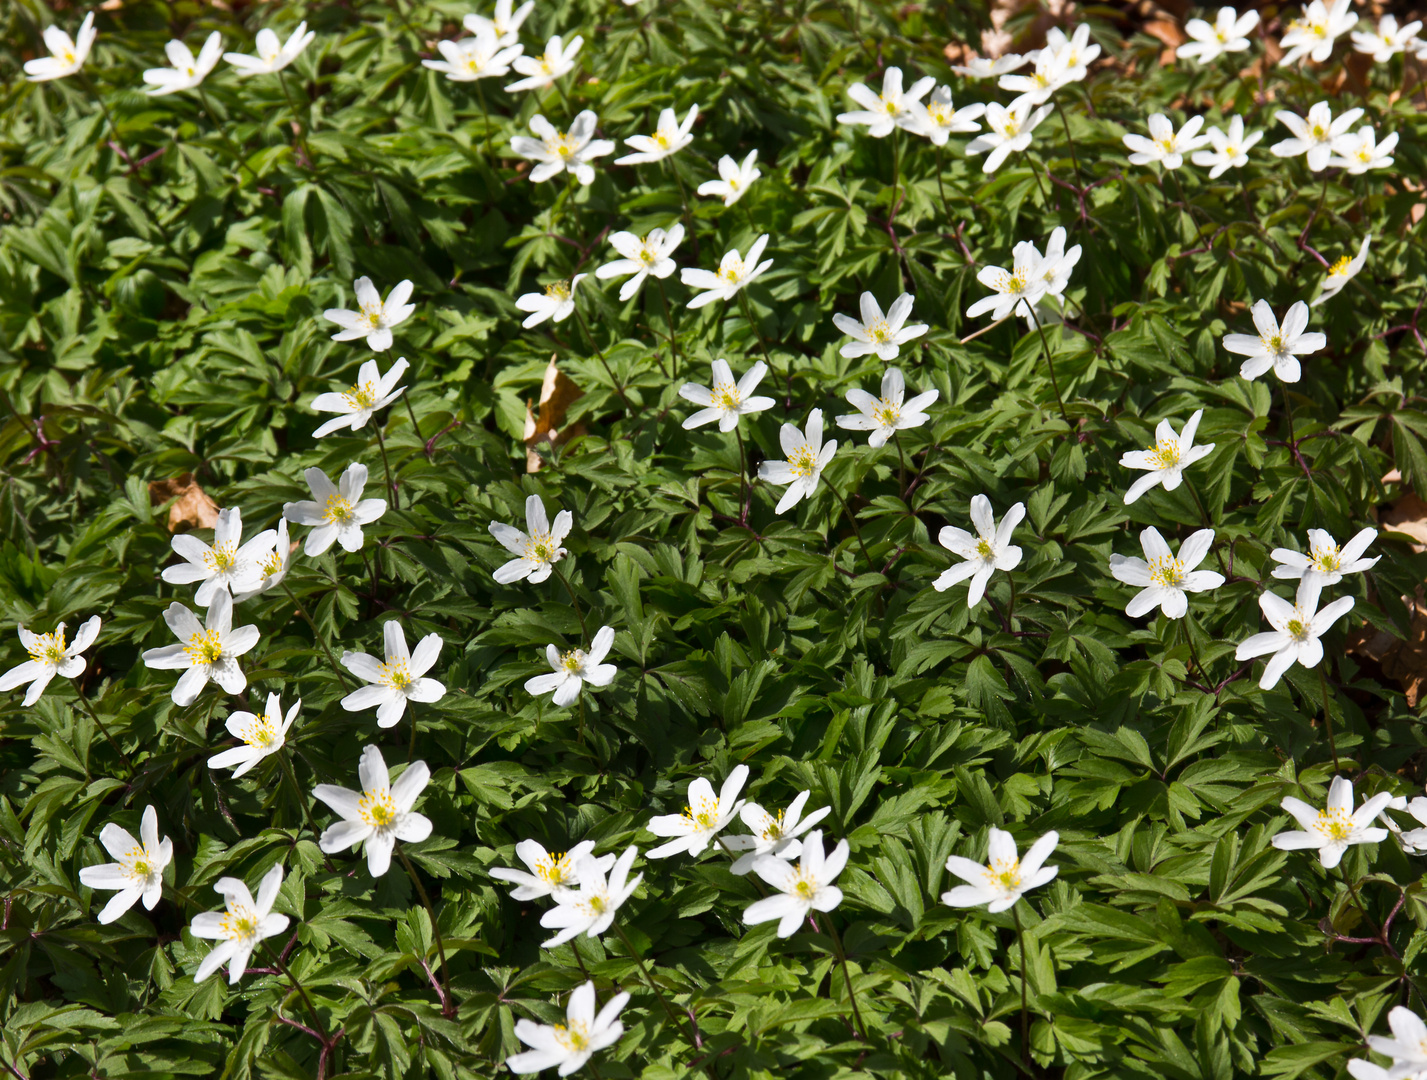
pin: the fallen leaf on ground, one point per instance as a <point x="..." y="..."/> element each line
<point x="192" y="508"/>
<point x="557" y="393"/>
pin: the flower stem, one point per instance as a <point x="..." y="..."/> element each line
<point x="669" y="318"/>
<point x="386" y="464"/>
<point x="742" y="478"/>
<point x="1328" y="715"/>
<point x="291" y="775"/>
<point x="301" y="128"/>
<point x="1011" y="607"/>
<point x="574" y="601"/>
<point x="1070" y="143"/>
<point x="861" y="1030"/>
<point x="317" y="634"/>
<point x="853" y="519"/>
<point x="302" y="992"/>
<point x="901" y="464"/>
<point x="84" y="700"/>
<point x="941" y="188"/>
<point x="1025" y="1011"/>
<point x="748" y="314"/>
<point x="448" y="1003"/>
<point x="485" y="114"/>
<point x="1049" y="363"/>
<point x="628" y="408"/>
<point x="648" y="978"/>
<point x="411" y="749"/>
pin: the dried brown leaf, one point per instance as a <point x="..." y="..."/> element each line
<point x="191" y="509"/>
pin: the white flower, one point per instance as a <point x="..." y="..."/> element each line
<point x="985" y="553"/>
<point x="472" y="58"/>
<point x="1229" y="34"/>
<point x="187" y="72"/>
<point x="261" y="735"/>
<point x="1018" y="290"/>
<point x="1362" y="152"/>
<point x="380" y="814"/>
<point x="66" y="56"/>
<point x="670" y="136"/>
<point x="652" y="255"/>
<point x="1342" y="272"/>
<point x="1324" y="559"/>
<point x="876" y="333"/>
<point x="590" y="910"/>
<point x="1076" y="52"/>
<point x="984" y="67"/>
<point x="228" y="566"/>
<point x="572" y="669"/>
<point x="1407" y="1047"/>
<point x="372" y="391"/>
<point x="1296" y="630"/>
<point x="1388" y="40"/>
<point x="1053" y="270"/>
<point x="807" y="457"/>
<point x="1336" y="828"/>
<point x="704" y="816"/>
<point x="571" y="1044"/>
<point x="49" y="656"/>
<point x="556" y="302"/>
<point x="881" y="113"/>
<point x="211" y="649"/>
<point x="727" y="400"/>
<point x="732" y="275"/>
<point x="503" y="23"/>
<point x="1362" y="1069"/>
<point x="734" y="179"/>
<point x="548" y="872"/>
<point x="138" y="870"/>
<point x="1275" y="347"/>
<point x="1167" y="459"/>
<point x="888" y="414"/>
<point x="541" y="71"/>
<point x="1008" y="129"/>
<point x="802" y="889"/>
<point x="536" y="551"/>
<point x="1005" y="878"/>
<point x="938" y="118"/>
<point x="774" y="836"/>
<point x="337" y="512"/>
<point x="1313" y="137"/>
<point x="272" y="565"/>
<point x="1165" y="145"/>
<point x="1231" y="148"/>
<point x="239" y="930"/>
<point x="1050" y="73"/>
<point x="273" y="55"/>
<point x="1163" y="579"/>
<point x="557" y="152"/>
<point x="1314" y="34"/>
<point x="399" y="680"/>
<point x="374" y="318"/>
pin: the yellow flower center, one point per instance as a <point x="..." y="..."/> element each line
<point x="984" y="550"/>
<point x="1274" y="344"/>
<point x="555" y="868"/>
<point x="221" y="557"/>
<point x="377" y="808"/>
<point x="1167" y="573"/>
<point x="575" y="1037"/>
<point x="361" y="396"/>
<point x="803" y="460"/>
<point x="1319" y="133"/>
<point x="1165" y="453"/>
<point x="204" y="647"/>
<point x="890" y="105"/>
<point x="1337" y="824"/>
<point x="940" y="114"/>
<point x="880" y="332"/>
<point x="541" y="548"/>
<point x="1364" y="154"/>
<point x="1005" y="873"/>
<point x="573" y="660"/>
<point x="561" y="146"/>
<point x="731" y="270"/>
<point x="1340" y="267"/>
<point x="240" y="922"/>
<point x="262" y="732"/>
<point x="1013" y="284"/>
<point x="398" y="676"/>
<point x="887" y="413"/>
<point x="338" y="510"/>
<point x="774" y="829"/>
<point x="558" y="290"/>
<point x="805" y="888"/>
<point x="1326" y="560"/>
<point x="372" y="315"/>
<point x="663" y="137"/>
<point x="272" y="564"/>
<point x="647" y="255"/>
<point x="1298" y="627"/>
<point x="726" y="397"/>
<point x="48" y="648"/>
<point x="706" y="817"/>
<point x="733" y="184"/>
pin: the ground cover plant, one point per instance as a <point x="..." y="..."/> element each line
<point x="703" y="537"/>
